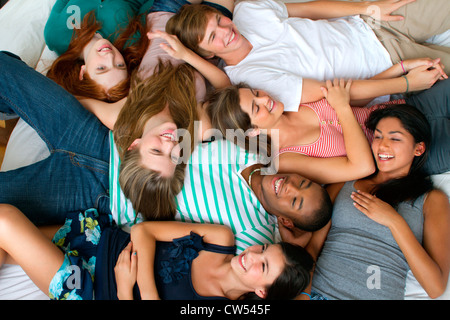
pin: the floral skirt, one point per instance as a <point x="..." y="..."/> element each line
<point x="78" y="239"/>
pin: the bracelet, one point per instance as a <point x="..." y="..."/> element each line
<point x="306" y="294"/>
<point x="407" y="84"/>
<point x="401" y="64"/>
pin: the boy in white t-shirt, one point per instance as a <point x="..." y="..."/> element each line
<point x="289" y="49"/>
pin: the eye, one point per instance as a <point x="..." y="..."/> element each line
<point x="294" y="201"/>
<point x="121" y="65"/>
<point x="100" y="68"/>
<point x="155" y="151"/>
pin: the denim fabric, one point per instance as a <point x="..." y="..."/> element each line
<point x="76" y="174"/>
<point x="175" y="5"/>
<point x="317" y="296"/>
<point x="434" y="103"/>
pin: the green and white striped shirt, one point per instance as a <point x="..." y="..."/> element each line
<point x="214" y="192"/>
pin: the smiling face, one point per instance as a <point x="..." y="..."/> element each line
<point x="264" y="112"/>
<point x="394" y="148"/>
<point x="104" y="63"/>
<point x="158" y="146"/>
<point x="289" y="195"/>
<point x="221" y="36"/>
<point x="259" y="266"/>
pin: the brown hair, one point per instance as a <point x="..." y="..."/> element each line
<point x="189" y="25"/>
<point x="65" y="69"/>
<point x="151" y="194"/>
<point x="225" y="112"/>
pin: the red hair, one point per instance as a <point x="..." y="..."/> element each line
<point x="65" y="70"/>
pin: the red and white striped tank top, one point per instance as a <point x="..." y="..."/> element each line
<point x="331" y="140"/>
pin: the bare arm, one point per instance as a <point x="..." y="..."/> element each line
<point x="144" y="236"/>
<point x="177" y="50"/>
<point x="334" y="9"/>
<point x="357" y="164"/>
<point x="419" y="78"/>
<point x="429" y="263"/>
<point x="106" y="112"/>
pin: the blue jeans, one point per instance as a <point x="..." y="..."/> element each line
<point x="434" y="103"/>
<point x="75" y="176"/>
<point x="175" y="5"/>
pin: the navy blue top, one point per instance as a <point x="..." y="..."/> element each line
<point x="173" y="262"/>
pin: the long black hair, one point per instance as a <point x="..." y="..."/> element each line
<point x="417" y="182"/>
<point x="294" y="278"/>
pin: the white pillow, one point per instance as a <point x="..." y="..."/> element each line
<point x="21" y="28"/>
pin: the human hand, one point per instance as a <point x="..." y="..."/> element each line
<point x="173" y="47"/>
<point x="374" y="208"/>
<point x="382" y="10"/>
<point x="125" y="272"/>
<point x="423" y="77"/>
<point x="337" y="93"/>
<point x="430" y="63"/>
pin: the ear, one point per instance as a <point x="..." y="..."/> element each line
<point x="82" y="71"/>
<point x="262" y="293"/>
<point x="134" y="144"/>
<point x="420" y="149"/>
<point x="286" y="222"/>
<point x="254" y="132"/>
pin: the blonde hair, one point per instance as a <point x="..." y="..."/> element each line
<point x="151" y="194"/>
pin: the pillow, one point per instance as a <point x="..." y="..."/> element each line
<point x="21" y="28"/>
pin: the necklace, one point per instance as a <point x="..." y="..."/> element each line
<point x="250" y="176"/>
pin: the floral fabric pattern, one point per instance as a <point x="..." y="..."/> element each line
<point x="78" y="239"/>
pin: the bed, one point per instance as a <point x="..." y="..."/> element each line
<point x="21" y="32"/>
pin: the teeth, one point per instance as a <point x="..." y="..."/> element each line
<point x="169" y="135"/>
<point x="270" y="105"/>
<point x="243" y="262"/>
<point x="277" y="184"/>
<point x="232" y="37"/>
<point x="385" y="156"/>
<point x="104" y="49"/>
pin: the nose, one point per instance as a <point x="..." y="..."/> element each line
<point x="289" y="187"/>
<point x="253" y="259"/>
<point x="384" y="143"/>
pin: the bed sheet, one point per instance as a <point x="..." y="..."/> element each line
<point x="21" y="32"/>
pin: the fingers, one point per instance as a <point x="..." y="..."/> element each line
<point x="126" y="258"/>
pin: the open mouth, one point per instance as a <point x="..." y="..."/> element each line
<point x="232" y="36"/>
<point x="105" y="48"/>
<point x="277" y="183"/>
<point x="384" y="157"/>
<point x="170" y="135"/>
<point x="271" y="105"/>
<point x="242" y="261"/>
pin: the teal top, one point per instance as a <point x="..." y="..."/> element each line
<point x="66" y="15"/>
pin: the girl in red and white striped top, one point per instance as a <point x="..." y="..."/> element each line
<point x="323" y="140"/>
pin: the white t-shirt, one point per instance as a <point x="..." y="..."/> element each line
<point x="285" y="50"/>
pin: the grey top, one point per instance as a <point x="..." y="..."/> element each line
<point x="360" y="258"/>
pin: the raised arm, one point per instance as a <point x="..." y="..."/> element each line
<point x="420" y="75"/>
<point x="359" y="161"/>
<point x="177" y="50"/>
<point x="334" y="9"/>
